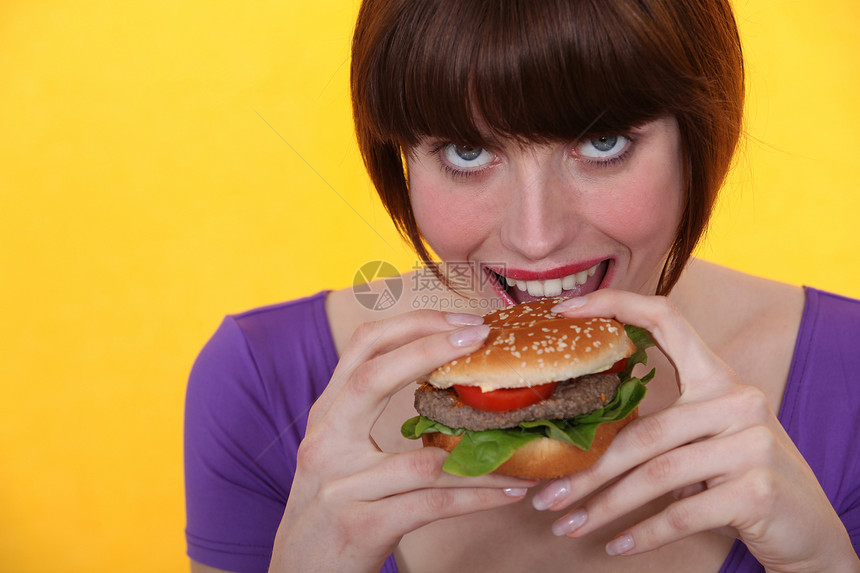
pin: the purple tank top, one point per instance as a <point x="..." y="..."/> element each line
<point x="252" y="385"/>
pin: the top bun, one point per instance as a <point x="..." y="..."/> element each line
<point x="529" y="345"/>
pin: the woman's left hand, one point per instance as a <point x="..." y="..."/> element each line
<point x="720" y="448"/>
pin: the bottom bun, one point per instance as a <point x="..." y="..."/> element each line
<point x="545" y="457"/>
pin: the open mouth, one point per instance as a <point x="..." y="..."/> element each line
<point x="515" y="291"/>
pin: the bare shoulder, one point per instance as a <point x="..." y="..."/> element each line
<point x="711" y="291"/>
<point x="750" y="322"/>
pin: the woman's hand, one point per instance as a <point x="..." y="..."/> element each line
<point x="350" y="502"/>
<point x="719" y="448"/>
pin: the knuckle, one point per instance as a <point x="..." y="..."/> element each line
<point x="425" y="464"/>
<point x="753" y="402"/>
<point x="365" y="332"/>
<point x="328" y="494"/>
<point x="363" y="377"/>
<point x="761" y="443"/>
<point x="660" y="469"/>
<point x="309" y="454"/>
<point x="316" y="452"/>
<point x="665" y="309"/>
<point x="647" y="431"/>
<point x="679" y="517"/>
<point x="759" y="486"/>
<point x="437" y="501"/>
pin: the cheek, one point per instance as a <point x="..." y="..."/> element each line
<point x="453" y="224"/>
<point x="646" y="209"/>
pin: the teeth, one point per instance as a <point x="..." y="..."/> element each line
<point x="535" y="288"/>
<point x="553" y="287"/>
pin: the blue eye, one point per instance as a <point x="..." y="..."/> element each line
<point x="465" y="157"/>
<point x="604" y="147"/>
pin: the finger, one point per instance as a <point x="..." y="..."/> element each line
<point x="415" y="509"/>
<point x="701" y="462"/>
<point x="376" y="338"/>
<point x="417" y="469"/>
<point x="712" y="510"/>
<point x="697" y="366"/>
<point x="362" y="399"/>
<point x="639" y="441"/>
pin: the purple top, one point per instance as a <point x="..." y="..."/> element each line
<point x="254" y="381"/>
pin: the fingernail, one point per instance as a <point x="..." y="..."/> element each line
<point x="515" y="491"/>
<point x="469" y="335"/>
<point x="554" y="492"/>
<point x="569" y="304"/>
<point x="463" y="319"/>
<point x="570" y="522"/>
<point x="620" y="545"/>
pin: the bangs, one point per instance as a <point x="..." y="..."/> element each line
<point x="524" y="69"/>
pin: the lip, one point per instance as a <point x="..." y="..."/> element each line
<point x="555" y="273"/>
<point x="558" y="272"/>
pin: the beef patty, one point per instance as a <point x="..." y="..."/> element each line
<point x="571" y="398"/>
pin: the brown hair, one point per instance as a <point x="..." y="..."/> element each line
<point x="547" y="70"/>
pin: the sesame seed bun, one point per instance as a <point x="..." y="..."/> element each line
<point x="530" y="345"/>
<point x="545" y="458"/>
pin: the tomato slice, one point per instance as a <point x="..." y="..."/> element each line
<point x="619" y="366"/>
<point x="505" y="399"/>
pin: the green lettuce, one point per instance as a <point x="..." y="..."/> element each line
<point x="481" y="452"/>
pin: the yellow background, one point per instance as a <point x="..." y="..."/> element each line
<point x="163" y="163"/>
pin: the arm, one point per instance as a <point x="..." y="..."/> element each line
<point x="200" y="568"/>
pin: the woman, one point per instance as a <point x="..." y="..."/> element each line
<point x="528" y="142"/>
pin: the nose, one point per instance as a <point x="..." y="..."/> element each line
<point x="540" y="215"/>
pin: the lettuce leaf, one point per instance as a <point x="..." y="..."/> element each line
<point x="481" y="452"/>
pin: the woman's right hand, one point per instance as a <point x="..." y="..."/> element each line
<point x="350" y="502"/>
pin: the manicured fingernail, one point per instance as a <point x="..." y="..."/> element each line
<point x="463" y="319"/>
<point x="554" y="492"/>
<point x="515" y="491"/>
<point x="620" y="545"/>
<point x="570" y="304"/>
<point x="570" y="522"/>
<point x="469" y="335"/>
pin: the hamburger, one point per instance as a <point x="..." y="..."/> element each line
<point x="543" y="397"/>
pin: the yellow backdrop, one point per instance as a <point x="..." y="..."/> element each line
<point x="163" y="163"/>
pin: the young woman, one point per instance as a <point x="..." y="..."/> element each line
<point x="530" y="142"/>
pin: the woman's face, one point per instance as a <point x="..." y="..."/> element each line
<point x="557" y="218"/>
